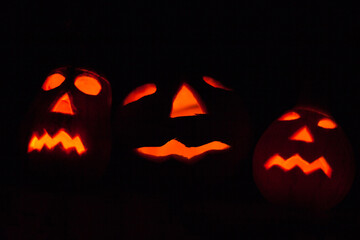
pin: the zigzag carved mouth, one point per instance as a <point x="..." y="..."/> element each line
<point x="178" y="149"/>
<point x="61" y="137"/>
<point x="297" y="161"/>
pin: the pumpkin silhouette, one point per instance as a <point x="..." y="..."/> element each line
<point x="67" y="132"/>
<point x="304" y="160"/>
<point x="193" y="131"/>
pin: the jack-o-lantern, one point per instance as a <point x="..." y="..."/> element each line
<point x="193" y="130"/>
<point x="68" y="126"/>
<point x="304" y="160"/>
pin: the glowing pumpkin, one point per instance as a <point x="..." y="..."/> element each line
<point x="304" y="160"/>
<point x="68" y="127"/>
<point x="193" y="128"/>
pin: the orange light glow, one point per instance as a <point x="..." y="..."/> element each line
<point x="327" y="123"/>
<point x="297" y="161"/>
<point x="214" y="83"/>
<point x="88" y="85"/>
<point x="303" y="134"/>
<point x="50" y="142"/>
<point x="186" y="103"/>
<point x="53" y="81"/>
<point x="289" y="116"/>
<point x="63" y="105"/>
<point x="140" y="92"/>
<point x="176" y="148"/>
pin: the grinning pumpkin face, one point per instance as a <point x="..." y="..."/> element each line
<point x="182" y="129"/>
<point x="185" y="103"/>
<point x="69" y="121"/>
<point x="304" y="160"/>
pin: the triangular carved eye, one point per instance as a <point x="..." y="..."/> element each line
<point x="186" y="103"/>
<point x="53" y="81"/>
<point x="289" y="116"/>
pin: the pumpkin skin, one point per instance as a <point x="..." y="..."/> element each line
<point x="304" y="160"/>
<point x="152" y="121"/>
<point x="68" y="107"/>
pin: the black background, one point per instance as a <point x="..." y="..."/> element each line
<point x="273" y="56"/>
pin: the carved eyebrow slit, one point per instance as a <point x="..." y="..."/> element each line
<point x="215" y="83"/>
<point x="140" y="92"/>
<point x="289" y="116"/>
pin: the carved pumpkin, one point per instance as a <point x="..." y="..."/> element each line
<point x="68" y="132"/>
<point x="304" y="160"/>
<point x="191" y="130"/>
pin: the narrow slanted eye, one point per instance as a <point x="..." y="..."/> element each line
<point x="327" y="123"/>
<point x="53" y="81"/>
<point x="289" y="116"/>
<point x="140" y="92"/>
<point x="215" y="83"/>
<point x="88" y="85"/>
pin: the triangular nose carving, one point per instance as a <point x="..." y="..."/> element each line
<point x="186" y="103"/>
<point x="303" y="134"/>
<point x="63" y="105"/>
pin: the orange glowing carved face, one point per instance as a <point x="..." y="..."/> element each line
<point x="303" y="134"/>
<point x="304" y="159"/>
<point x="65" y="113"/>
<point x="186" y="103"/>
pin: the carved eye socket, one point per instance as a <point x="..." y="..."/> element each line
<point x="327" y="123"/>
<point x="53" y="81"/>
<point x="214" y="83"/>
<point x="140" y="92"/>
<point x="289" y="116"/>
<point x="88" y="85"/>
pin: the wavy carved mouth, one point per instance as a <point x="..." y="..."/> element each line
<point x="179" y="150"/>
<point x="297" y="161"/>
<point x="61" y="137"/>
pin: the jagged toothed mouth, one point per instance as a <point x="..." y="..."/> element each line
<point x="67" y="142"/>
<point x="297" y="161"/>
